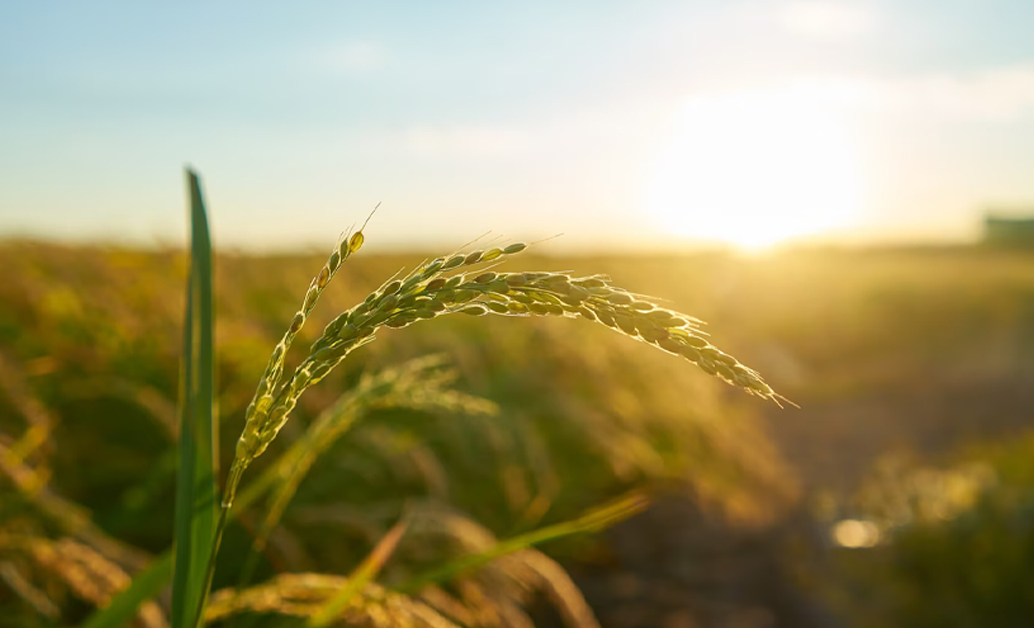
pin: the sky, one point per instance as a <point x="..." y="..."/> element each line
<point x="619" y="124"/>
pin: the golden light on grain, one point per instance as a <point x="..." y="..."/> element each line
<point x="856" y="533"/>
<point x="756" y="168"/>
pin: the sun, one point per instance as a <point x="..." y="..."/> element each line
<point x="757" y="168"/>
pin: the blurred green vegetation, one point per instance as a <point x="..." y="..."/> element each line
<point x="910" y="353"/>
<point x="957" y="545"/>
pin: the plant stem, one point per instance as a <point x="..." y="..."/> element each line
<point x="236" y="471"/>
<point x="210" y="567"/>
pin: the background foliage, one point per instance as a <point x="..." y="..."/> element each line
<point x="909" y="365"/>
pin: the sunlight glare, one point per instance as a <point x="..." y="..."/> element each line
<point x="856" y="533"/>
<point x="756" y="168"/>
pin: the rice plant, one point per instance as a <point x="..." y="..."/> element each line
<point x="460" y="283"/>
<point x="433" y="563"/>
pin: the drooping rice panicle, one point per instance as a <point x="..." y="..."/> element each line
<point x="450" y="285"/>
<point x="267" y="387"/>
<point x="422" y="384"/>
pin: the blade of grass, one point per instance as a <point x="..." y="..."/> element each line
<point x="196" y="491"/>
<point x="593" y="521"/>
<point x="128" y="600"/>
<point x="123" y="607"/>
<point x="366" y="571"/>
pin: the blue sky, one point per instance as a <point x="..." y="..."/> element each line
<point x="617" y="123"/>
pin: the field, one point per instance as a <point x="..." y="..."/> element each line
<point x="913" y="369"/>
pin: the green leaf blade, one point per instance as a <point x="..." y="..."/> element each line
<point x="145" y="586"/>
<point x="196" y="491"/>
<point x="594" y="520"/>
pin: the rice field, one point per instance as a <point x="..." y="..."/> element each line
<point x="913" y="369"/>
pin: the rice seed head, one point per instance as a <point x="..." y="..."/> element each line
<point x="410" y="283"/>
<point x="689" y="352"/>
<point x="424" y="294"/>
<point x="311" y="296"/>
<point x="297" y="322"/>
<point x="626" y="325"/>
<point x="515" y="279"/>
<point x="302" y="595"/>
<point x="434" y="266"/>
<point x="661" y="317"/>
<point x="463" y="296"/>
<point x="324" y="277"/>
<point x="356" y="242"/>
<point x="695" y="341"/>
<point x="264" y="410"/>
<point x="669" y="345"/>
<point x="334" y="327"/>
<point x="651" y="333"/>
<point x="454" y="262"/>
<point x="620" y="298"/>
<point x="591" y="282"/>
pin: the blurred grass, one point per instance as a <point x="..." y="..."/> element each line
<point x="919" y="350"/>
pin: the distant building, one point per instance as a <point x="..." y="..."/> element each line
<point x="1010" y="232"/>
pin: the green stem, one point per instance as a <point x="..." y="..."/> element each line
<point x="210" y="567"/>
<point x="236" y="471"/>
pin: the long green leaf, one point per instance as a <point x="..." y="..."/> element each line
<point x="592" y="521"/>
<point x="359" y="578"/>
<point x="128" y="600"/>
<point x="146" y="585"/>
<point x="596" y="519"/>
<point x="196" y="491"/>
